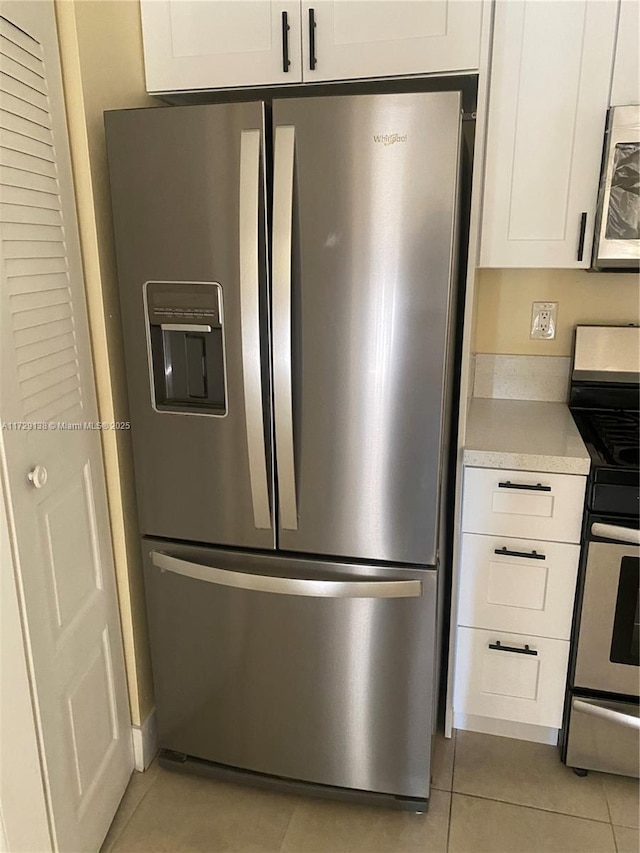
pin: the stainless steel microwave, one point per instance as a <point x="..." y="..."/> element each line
<point x="617" y="231"/>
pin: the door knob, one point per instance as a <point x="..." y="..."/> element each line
<point x="38" y="476"/>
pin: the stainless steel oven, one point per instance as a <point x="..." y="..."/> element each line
<point x="605" y="730"/>
<point x="617" y="231"/>
<point x="602" y="722"/>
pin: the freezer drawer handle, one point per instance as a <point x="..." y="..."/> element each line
<point x="282" y="383"/>
<point x="606" y="714"/>
<point x="288" y="586"/>
<point x="249" y="225"/>
<point x="613" y="531"/>
<point x="504" y="552"/>
<point x="537" y="487"/>
<point x="498" y="647"/>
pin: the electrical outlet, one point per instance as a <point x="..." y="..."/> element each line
<point x="544" y="316"/>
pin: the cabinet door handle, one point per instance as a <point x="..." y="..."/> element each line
<point x="533" y="555"/>
<point x="537" y="487"/>
<point x="498" y="647"/>
<point x="583" y="229"/>
<point x="285" y="42"/>
<point x="312" y="39"/>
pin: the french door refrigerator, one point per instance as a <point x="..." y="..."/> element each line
<point x="286" y="276"/>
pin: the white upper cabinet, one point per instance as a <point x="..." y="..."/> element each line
<point x="549" y="93"/>
<point x="626" y="70"/>
<point x="215" y="44"/>
<point x="352" y="39"/>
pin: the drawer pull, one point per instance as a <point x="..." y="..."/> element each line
<point x="533" y="555"/>
<point x="498" y="647"/>
<point x="538" y="487"/>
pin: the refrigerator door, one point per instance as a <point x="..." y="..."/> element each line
<point x="312" y="671"/>
<point x="188" y="194"/>
<point x="364" y="228"/>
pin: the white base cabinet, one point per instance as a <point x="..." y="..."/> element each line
<point x="517" y="580"/>
<point x="550" y="79"/>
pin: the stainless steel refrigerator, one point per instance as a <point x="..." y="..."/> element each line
<point x="287" y="281"/>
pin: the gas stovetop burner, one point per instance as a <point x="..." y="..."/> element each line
<point x="618" y="433"/>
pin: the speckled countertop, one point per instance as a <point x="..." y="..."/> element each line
<point x="524" y="435"/>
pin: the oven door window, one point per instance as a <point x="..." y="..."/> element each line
<point x="623" y="215"/>
<point x="625" y="642"/>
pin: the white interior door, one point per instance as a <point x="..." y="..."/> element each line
<point x="54" y="477"/>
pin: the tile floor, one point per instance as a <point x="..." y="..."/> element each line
<point x="489" y="795"/>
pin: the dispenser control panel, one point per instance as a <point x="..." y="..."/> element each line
<point x="184" y="303"/>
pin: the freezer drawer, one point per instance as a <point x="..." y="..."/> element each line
<point x="294" y="668"/>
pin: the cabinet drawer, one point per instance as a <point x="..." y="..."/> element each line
<point x="520" y="585"/>
<point x="507" y="685"/>
<point x="523" y="504"/>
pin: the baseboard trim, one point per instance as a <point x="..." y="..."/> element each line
<point x="145" y="742"/>
<point x="505" y="728"/>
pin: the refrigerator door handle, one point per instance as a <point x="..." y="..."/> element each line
<point x="288" y="586"/>
<point x="249" y="225"/>
<point x="282" y="391"/>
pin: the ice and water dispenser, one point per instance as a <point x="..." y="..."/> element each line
<point x="187" y="347"/>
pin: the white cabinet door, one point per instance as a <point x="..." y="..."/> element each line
<point x="378" y="38"/>
<point x="626" y="70"/>
<point x="549" y="93"/>
<point x="192" y="44"/>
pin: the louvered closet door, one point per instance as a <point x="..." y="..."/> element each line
<point x="60" y="517"/>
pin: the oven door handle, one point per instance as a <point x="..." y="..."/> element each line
<point x="613" y="531"/>
<point x="608" y="714"/>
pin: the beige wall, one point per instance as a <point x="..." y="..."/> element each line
<point x="101" y="52"/>
<point x="504" y="297"/>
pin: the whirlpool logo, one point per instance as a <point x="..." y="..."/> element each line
<point x="389" y="138"/>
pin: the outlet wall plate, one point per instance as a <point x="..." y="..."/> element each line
<point x="544" y="317"/>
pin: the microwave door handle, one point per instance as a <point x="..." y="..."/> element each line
<point x="249" y="225"/>
<point x="613" y="531"/>
<point x="287" y="586"/>
<point x="284" y="150"/>
<point x="594" y="710"/>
